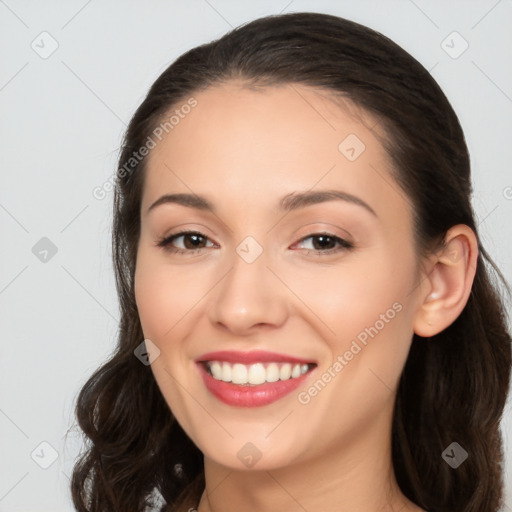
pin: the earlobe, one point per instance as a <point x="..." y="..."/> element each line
<point x="448" y="285"/>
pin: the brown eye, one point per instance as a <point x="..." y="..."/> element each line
<point x="193" y="241"/>
<point x="325" y="243"/>
<point x="187" y="241"/>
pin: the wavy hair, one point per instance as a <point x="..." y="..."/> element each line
<point x="454" y="385"/>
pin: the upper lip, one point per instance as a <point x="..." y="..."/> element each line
<point x="254" y="356"/>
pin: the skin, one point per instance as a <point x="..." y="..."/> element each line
<point x="243" y="150"/>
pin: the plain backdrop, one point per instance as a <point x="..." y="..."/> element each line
<point x="71" y="75"/>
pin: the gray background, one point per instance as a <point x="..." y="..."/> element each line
<point x="61" y="123"/>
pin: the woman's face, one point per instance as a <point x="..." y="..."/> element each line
<point x="300" y="272"/>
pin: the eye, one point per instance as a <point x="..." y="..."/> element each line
<point x="193" y="241"/>
<point x="325" y="243"/>
<point x="185" y="242"/>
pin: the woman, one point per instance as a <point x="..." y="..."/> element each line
<point x="294" y="242"/>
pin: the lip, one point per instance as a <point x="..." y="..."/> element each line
<point x="245" y="395"/>
<point x="254" y="356"/>
<point x="250" y="396"/>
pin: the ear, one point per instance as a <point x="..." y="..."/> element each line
<point x="446" y="288"/>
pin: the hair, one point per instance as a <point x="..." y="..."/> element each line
<point x="454" y="385"/>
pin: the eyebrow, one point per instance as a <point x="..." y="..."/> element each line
<point x="290" y="202"/>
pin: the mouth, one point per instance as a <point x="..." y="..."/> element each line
<point x="256" y="373"/>
<point x="252" y="379"/>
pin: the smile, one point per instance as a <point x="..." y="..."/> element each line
<point x="256" y="373"/>
<point x="252" y="379"/>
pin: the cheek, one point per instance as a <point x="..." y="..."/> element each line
<point x="376" y="322"/>
<point x="149" y="288"/>
<point x="164" y="295"/>
<point x="352" y="294"/>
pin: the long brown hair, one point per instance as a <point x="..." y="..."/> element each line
<point x="454" y="385"/>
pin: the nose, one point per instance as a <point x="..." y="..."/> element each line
<point x="249" y="298"/>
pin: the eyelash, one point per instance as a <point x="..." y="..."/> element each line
<point x="343" y="245"/>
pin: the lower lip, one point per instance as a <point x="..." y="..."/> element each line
<point x="250" y="396"/>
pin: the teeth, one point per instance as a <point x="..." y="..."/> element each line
<point x="286" y="371"/>
<point x="296" y="371"/>
<point x="272" y="373"/>
<point x="226" y="372"/>
<point x="239" y="374"/>
<point x="256" y="373"/>
<point x="216" y="370"/>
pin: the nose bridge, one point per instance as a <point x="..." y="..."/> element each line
<point x="247" y="295"/>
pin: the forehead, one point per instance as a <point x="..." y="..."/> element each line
<point x="263" y="142"/>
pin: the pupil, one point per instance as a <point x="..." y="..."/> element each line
<point x="193" y="245"/>
<point x="323" y="242"/>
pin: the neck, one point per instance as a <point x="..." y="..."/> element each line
<point x="357" y="476"/>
